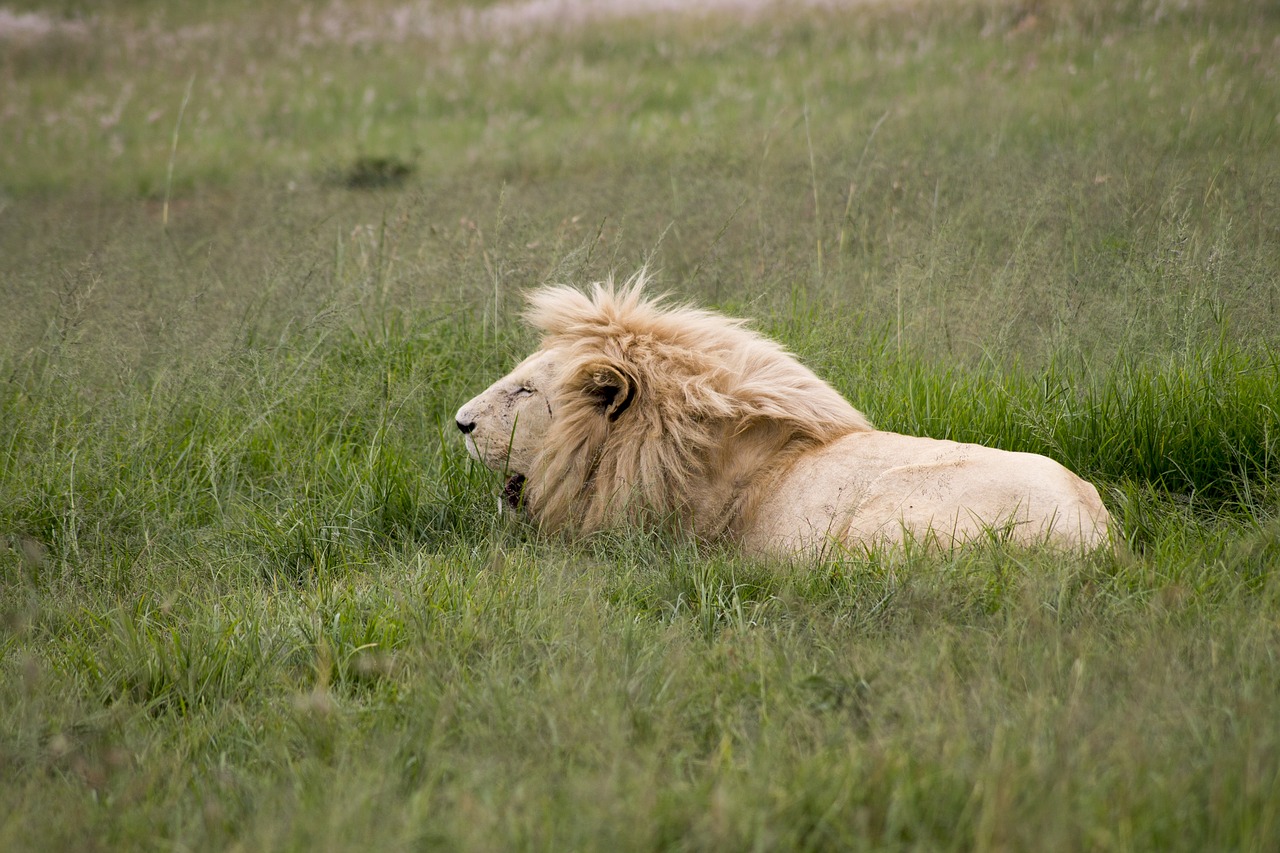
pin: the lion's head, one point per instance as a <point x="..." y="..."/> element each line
<point x="632" y="409"/>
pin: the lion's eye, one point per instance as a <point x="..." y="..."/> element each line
<point x="523" y="391"/>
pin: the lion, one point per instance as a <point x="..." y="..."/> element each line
<point x="634" y="411"/>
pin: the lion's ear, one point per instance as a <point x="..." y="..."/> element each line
<point x="610" y="387"/>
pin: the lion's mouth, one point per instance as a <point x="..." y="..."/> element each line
<point x="513" y="491"/>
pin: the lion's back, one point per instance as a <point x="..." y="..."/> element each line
<point x="878" y="488"/>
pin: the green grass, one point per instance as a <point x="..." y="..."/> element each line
<point x="253" y="595"/>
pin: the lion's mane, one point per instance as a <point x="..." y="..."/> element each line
<point x="666" y="412"/>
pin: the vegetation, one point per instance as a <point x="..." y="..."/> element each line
<point x="254" y="256"/>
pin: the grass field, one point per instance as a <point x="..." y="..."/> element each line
<point x="254" y="256"/>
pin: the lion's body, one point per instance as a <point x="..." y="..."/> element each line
<point x="632" y="412"/>
<point x="880" y="488"/>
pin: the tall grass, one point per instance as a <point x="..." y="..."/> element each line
<point x="311" y="592"/>
<point x="1201" y="426"/>
<point x="325" y="453"/>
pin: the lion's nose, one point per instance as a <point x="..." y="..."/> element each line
<point x="465" y="427"/>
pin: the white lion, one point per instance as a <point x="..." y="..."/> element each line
<point x="634" y="412"/>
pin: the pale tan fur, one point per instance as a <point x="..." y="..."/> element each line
<point x="633" y="411"/>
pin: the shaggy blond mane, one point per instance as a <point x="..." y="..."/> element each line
<point x="703" y="412"/>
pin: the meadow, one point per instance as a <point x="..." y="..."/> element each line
<point x="253" y="595"/>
